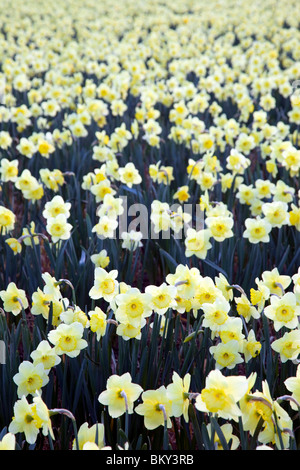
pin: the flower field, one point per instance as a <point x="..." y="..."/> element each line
<point x="150" y="225"/>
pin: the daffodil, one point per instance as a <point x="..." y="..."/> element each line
<point x="97" y="322"/>
<point x="220" y="227"/>
<point x="293" y="385"/>
<point x="24" y="421"/>
<point x="165" y="175"/>
<point x="232" y="329"/>
<point x="14" y="244"/>
<point x="106" y="227"/>
<point x="283" y="311"/>
<point x="276" y="213"/>
<point x="133" y="307"/>
<point x="28" y="235"/>
<point x="182" y="194"/>
<point x="120" y="394"/>
<point x="259" y="296"/>
<point x="260" y="405"/>
<point x="127" y="330"/>
<point x="215" y="313"/>
<point x="227" y="430"/>
<point x="14" y="299"/>
<point x="197" y="242"/>
<point x="132" y="240"/>
<point x="105" y="284"/>
<point x="9" y="170"/>
<point x="59" y="228"/>
<point x="237" y="162"/>
<point x="5" y="140"/>
<point x="185" y="280"/>
<point x="178" y="392"/>
<point x="245" y="308"/>
<point x="156" y="407"/>
<point x="226" y="354"/>
<point x="52" y="179"/>
<point x="294" y="217"/>
<point x="7" y="220"/>
<point x="30" y="378"/>
<point x="206" y="292"/>
<point x="90" y="434"/>
<point x="275" y="282"/>
<point x="296" y="285"/>
<point x="257" y="230"/>
<point x="129" y="175"/>
<point x="288" y="346"/>
<point x="8" y="442"/>
<point x="251" y="347"/>
<point x="30" y="419"/>
<point x="162" y="297"/>
<point x="221" y="395"/>
<point x="100" y="259"/>
<point x="56" y="206"/>
<point x="160" y="216"/>
<point x="68" y="339"/>
<point x="102" y="189"/>
<point x="111" y="207"/>
<point x="223" y="285"/>
<point x="41" y="303"/>
<point x="46" y="355"/>
<point x="74" y="314"/>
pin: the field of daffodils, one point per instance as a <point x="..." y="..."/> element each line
<point x="150" y="225"/>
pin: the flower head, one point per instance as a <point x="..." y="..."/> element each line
<point x="178" y="393"/>
<point x="156" y="408"/>
<point x="120" y="394"/>
<point x="7" y="220"/>
<point x="8" y="442"/>
<point x="283" y="311"/>
<point x="30" y="419"/>
<point x="197" y="242"/>
<point x="67" y="339"/>
<point x="105" y="284"/>
<point x="221" y="395"/>
<point x="46" y="355"/>
<point x="59" y="228"/>
<point x="91" y="434"/>
<point x="98" y="322"/>
<point x="30" y="378"/>
<point x="14" y="299"/>
<point x="257" y="230"/>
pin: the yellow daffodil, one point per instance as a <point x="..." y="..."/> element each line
<point x="59" y="228"/>
<point x="7" y="220"/>
<point x="197" y="242"/>
<point x="105" y="284"/>
<point x="257" y="230"/>
<point x="8" y="442"/>
<point x="227" y="430"/>
<point x="98" y="322"/>
<point x="67" y="339"/>
<point x="221" y="395"/>
<point x="120" y="394"/>
<point x="46" y="355"/>
<point x="293" y="385"/>
<point x="178" y="392"/>
<point x="283" y="311"/>
<point x="30" y="378"/>
<point x="156" y="407"/>
<point x="89" y="434"/>
<point x="14" y="299"/>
